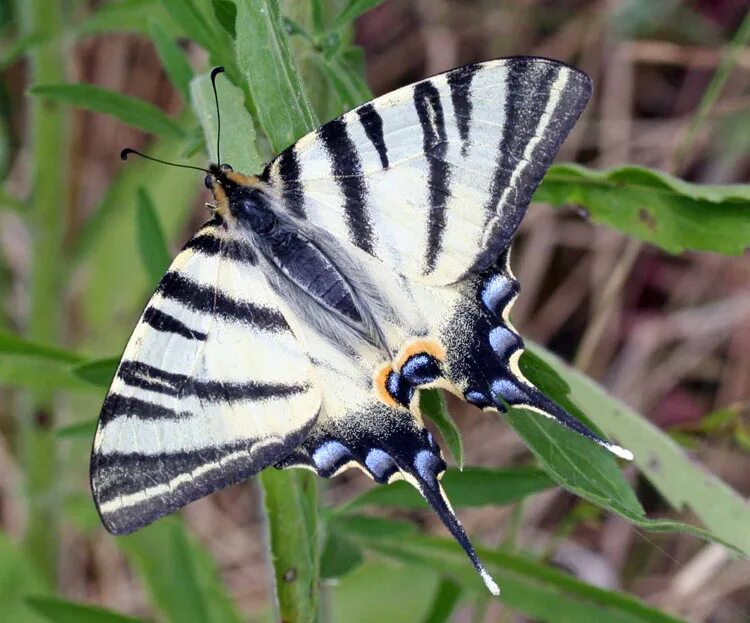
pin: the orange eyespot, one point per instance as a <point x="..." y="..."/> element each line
<point x="426" y="345"/>
<point x="379" y="385"/>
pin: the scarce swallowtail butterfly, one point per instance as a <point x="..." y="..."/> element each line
<point x="366" y="262"/>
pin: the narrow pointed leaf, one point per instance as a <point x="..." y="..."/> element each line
<point x="127" y="109"/>
<point x="58" y="610"/>
<point x="432" y="404"/>
<point x="539" y="591"/>
<point x="172" y="58"/>
<point x="151" y="243"/>
<point x="475" y="486"/>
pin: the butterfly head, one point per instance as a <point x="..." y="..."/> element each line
<point x="239" y="198"/>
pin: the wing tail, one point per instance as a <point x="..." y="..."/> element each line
<point x="423" y="475"/>
<point x="484" y="350"/>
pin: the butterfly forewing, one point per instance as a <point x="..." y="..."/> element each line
<point x="434" y="178"/>
<point x="212" y="387"/>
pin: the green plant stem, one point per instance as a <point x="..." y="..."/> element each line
<point x="290" y="502"/>
<point x="284" y="115"/>
<point x="48" y="146"/>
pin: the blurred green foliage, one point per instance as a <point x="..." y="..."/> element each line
<point x="286" y="68"/>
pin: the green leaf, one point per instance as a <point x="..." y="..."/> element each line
<point x="226" y="14"/>
<point x="127" y="109"/>
<point x="83" y="429"/>
<point x="575" y="462"/>
<point x="475" y="486"/>
<point x="684" y="484"/>
<point x="39" y="373"/>
<point x="238" y="140"/>
<point x="20" y="46"/>
<point x="578" y="464"/>
<point x="270" y="73"/>
<point x="432" y="404"/>
<point x="188" y="588"/>
<point x="340" y="556"/>
<point x="62" y="611"/>
<point x="656" y="207"/>
<point x="172" y="58"/>
<point x="381" y="590"/>
<point x="18" y="580"/>
<point x="445" y="601"/>
<point x="98" y="372"/>
<point x="151" y="243"/>
<point x="189" y="18"/>
<point x="353" y="10"/>
<point x="539" y="591"/>
<point x="125" y="16"/>
<point x="37" y="366"/>
<point x="11" y="344"/>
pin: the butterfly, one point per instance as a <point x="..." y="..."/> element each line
<point x="367" y="262"/>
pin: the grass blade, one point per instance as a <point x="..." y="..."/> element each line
<point x="186" y="590"/>
<point x="537" y="590"/>
<point x="475" y="486"/>
<point x="62" y="611"/>
<point x="432" y="404"/>
<point x="130" y="110"/>
<point x="172" y="59"/>
<point x="150" y="236"/>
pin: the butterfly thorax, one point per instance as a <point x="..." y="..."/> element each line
<point x="246" y="207"/>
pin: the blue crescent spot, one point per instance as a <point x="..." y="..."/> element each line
<point x="504" y="342"/>
<point x="423" y="462"/>
<point x="496" y="290"/>
<point x="509" y="391"/>
<point x="379" y="462"/>
<point x="328" y="454"/>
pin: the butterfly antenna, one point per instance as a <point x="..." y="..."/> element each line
<point x="215" y="72"/>
<point x="127" y="151"/>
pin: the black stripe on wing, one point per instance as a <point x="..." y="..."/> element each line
<point x="145" y="376"/>
<point x="347" y="169"/>
<point x="372" y="123"/>
<point x="117" y="405"/>
<point x="435" y="146"/>
<point x="206" y="243"/>
<point x="529" y="97"/>
<point x="459" y="83"/>
<point x="133" y="490"/>
<point x="525" y="103"/>
<point x="165" y="323"/>
<point x="292" y="192"/>
<point x="210" y="300"/>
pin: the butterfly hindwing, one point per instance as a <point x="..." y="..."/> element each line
<point x="212" y="387"/>
<point x="434" y="178"/>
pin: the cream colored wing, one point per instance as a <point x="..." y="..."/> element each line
<point x="212" y="387"/>
<point x="434" y="178"/>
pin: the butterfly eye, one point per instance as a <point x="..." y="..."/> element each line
<point x="225" y="168"/>
<point x="208" y="181"/>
